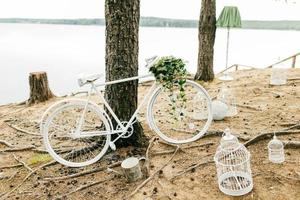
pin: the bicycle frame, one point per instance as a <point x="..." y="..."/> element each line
<point x="94" y="87"/>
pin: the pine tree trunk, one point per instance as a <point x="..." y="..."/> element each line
<point x="206" y="36"/>
<point x="39" y="88"/>
<point x="122" y="37"/>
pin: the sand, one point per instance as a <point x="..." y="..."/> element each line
<point x="261" y="108"/>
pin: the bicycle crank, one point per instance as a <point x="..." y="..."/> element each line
<point x="129" y="131"/>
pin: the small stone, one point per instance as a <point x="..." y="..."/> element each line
<point x="160" y="172"/>
<point x="90" y="193"/>
<point x="73" y="182"/>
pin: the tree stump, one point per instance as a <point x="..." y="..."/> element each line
<point x="39" y="88"/>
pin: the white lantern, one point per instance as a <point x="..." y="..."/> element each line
<point x="276" y="150"/>
<point x="226" y="96"/>
<point x="233" y="167"/>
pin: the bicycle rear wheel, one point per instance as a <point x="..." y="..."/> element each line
<point x="64" y="146"/>
<point x="176" y="121"/>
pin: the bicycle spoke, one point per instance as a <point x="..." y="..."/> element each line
<point x="62" y="131"/>
<point x="174" y="120"/>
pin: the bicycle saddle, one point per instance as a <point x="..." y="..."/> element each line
<point x="88" y="78"/>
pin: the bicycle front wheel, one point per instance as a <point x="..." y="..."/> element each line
<point x="178" y="119"/>
<point x="66" y="143"/>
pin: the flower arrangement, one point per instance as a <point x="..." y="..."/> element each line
<point x="171" y="73"/>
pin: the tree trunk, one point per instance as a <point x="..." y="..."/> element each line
<point x="121" y="59"/>
<point x="206" y="36"/>
<point x="39" y="88"/>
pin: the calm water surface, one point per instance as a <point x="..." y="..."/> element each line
<point x="64" y="51"/>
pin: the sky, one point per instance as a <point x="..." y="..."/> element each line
<point x="184" y="9"/>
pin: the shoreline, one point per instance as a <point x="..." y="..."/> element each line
<point x="156" y="22"/>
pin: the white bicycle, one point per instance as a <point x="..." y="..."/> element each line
<point x="77" y="132"/>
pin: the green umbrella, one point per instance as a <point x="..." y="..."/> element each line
<point x="229" y="18"/>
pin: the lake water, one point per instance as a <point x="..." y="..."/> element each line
<point x="64" y="51"/>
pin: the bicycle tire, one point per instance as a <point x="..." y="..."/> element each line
<point x="60" y="114"/>
<point x="160" y="105"/>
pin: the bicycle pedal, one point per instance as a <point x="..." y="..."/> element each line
<point x="112" y="146"/>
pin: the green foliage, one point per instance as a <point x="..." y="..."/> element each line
<point x="171" y="73"/>
<point x="39" y="158"/>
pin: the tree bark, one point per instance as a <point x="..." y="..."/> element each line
<point x="39" y="88"/>
<point x="206" y="36"/>
<point x="121" y="59"/>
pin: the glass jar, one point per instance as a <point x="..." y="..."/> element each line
<point x="276" y="150"/>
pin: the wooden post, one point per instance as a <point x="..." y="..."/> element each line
<point x="294" y="61"/>
<point x="39" y="88"/>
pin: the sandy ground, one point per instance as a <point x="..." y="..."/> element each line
<point x="261" y="108"/>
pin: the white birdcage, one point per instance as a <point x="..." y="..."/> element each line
<point x="233" y="166"/>
<point x="276" y="150"/>
<point x="199" y="101"/>
<point x="226" y="96"/>
<point x="228" y="137"/>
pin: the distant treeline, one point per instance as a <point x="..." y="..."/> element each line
<point x="160" y="22"/>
